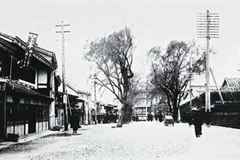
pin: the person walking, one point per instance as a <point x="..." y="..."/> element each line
<point x="197" y="121"/>
<point x="75" y="119"/>
<point x="160" y="116"/>
<point x="156" y="116"/>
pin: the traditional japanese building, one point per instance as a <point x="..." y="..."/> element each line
<point x="225" y="111"/>
<point x="76" y="100"/>
<point x="27" y="86"/>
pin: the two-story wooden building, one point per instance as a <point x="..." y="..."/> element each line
<point x="27" y="86"/>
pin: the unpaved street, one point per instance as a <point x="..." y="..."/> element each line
<point x="135" y="141"/>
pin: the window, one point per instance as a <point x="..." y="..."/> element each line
<point x="42" y="78"/>
<point x="27" y="74"/>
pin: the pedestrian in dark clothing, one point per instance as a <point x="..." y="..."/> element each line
<point x="160" y="116"/>
<point x="75" y="120"/>
<point x="150" y="117"/>
<point x="197" y="121"/>
<point x="156" y="116"/>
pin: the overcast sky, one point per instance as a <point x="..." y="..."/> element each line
<point x="153" y="22"/>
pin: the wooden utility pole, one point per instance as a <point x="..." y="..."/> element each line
<point x="207" y="93"/>
<point x="208" y="27"/>
<point x="146" y="106"/>
<point x="95" y="98"/>
<point x="62" y="25"/>
<point x="190" y="89"/>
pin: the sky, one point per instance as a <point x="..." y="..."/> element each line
<point x="152" y="22"/>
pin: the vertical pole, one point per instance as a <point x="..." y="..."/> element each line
<point x="63" y="80"/>
<point x="95" y="98"/>
<point x="147" y="100"/>
<point x="190" y="91"/>
<point x="146" y="105"/>
<point x="63" y="58"/>
<point x="190" y="83"/>
<point x="64" y="74"/>
<point x="207" y="94"/>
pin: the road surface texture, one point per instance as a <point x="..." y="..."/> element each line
<point x="134" y="141"/>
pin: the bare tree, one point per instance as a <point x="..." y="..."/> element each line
<point x="171" y="70"/>
<point x="113" y="58"/>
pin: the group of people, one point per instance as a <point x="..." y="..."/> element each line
<point x="158" y="116"/>
<point x="196" y="118"/>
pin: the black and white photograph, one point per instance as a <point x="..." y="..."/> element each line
<point x="119" y="80"/>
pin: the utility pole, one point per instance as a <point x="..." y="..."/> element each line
<point x="208" y="27"/>
<point x="190" y="89"/>
<point x="62" y="25"/>
<point x="147" y="92"/>
<point x="95" y="98"/>
<point x="207" y="93"/>
<point x="146" y="105"/>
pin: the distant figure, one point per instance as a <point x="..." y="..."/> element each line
<point x="197" y="121"/>
<point x="75" y="120"/>
<point x="150" y="117"/>
<point x="160" y="116"/>
<point x="156" y="116"/>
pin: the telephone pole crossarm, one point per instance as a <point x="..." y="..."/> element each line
<point x="207" y="27"/>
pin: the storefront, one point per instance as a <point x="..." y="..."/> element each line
<point x="23" y="110"/>
<point x="27" y="86"/>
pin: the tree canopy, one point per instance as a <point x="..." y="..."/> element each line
<point x="172" y="69"/>
<point x="113" y="59"/>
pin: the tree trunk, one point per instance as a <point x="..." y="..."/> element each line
<point x="120" y="121"/>
<point x="169" y="104"/>
<point x="122" y="116"/>
<point x="175" y="109"/>
<point x="125" y="116"/>
<point x="175" y="113"/>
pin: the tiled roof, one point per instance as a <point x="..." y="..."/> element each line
<point x="231" y="84"/>
<point x="20" y="88"/>
<point x="43" y="55"/>
<point x="46" y="55"/>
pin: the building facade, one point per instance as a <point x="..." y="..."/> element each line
<point x="142" y="106"/>
<point x="76" y="100"/>
<point x="27" y="86"/>
<point x="223" y="113"/>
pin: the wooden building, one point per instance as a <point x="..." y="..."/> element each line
<point x="76" y="100"/>
<point x="27" y="86"/>
<point x="223" y="114"/>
